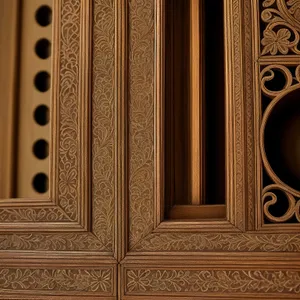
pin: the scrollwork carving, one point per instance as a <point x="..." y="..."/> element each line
<point x="270" y="198"/>
<point x="212" y="242"/>
<point x="269" y="194"/>
<point x="51" y="242"/>
<point x="103" y="121"/>
<point x="141" y="118"/>
<point x="144" y="281"/>
<point x="69" y="133"/>
<point x="281" y="35"/>
<point x="58" y="280"/>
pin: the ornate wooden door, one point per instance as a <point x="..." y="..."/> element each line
<point x="111" y="228"/>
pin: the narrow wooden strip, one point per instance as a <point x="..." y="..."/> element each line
<point x="8" y="62"/>
<point x="198" y="212"/>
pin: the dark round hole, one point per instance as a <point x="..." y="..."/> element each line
<point x="44" y="15"/>
<point x="41" y="149"/>
<point x="41" y="115"/>
<point x="40" y="183"/>
<point x="43" y="48"/>
<point x="282" y="139"/>
<point x="42" y="81"/>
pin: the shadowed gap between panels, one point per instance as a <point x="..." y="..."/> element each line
<point x="194" y="118"/>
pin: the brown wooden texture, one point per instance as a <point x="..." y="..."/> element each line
<point x="63" y="246"/>
<point x="8" y="82"/>
<point x="101" y="233"/>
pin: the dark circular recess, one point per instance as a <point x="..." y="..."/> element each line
<point x="43" y="15"/>
<point x="41" y="115"/>
<point x="40" y="183"/>
<point x="43" y="48"/>
<point x="41" y="149"/>
<point x="42" y="81"/>
<point x="282" y="139"/>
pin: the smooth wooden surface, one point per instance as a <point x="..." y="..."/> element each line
<point x="9" y="12"/>
<point x="184" y="116"/>
<point x="200" y="212"/>
<point x="196" y="102"/>
<point x="30" y="98"/>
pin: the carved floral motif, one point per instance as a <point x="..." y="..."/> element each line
<point x="103" y="121"/>
<point x="282" y="19"/>
<point x="214" y="242"/>
<point x="58" y="280"/>
<point x="146" y="281"/>
<point x="141" y="118"/>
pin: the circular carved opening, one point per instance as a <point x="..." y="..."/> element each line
<point x="43" y="15"/>
<point x="41" y="115"/>
<point x="41" y="149"/>
<point x="42" y="81"/>
<point x="43" y="48"/>
<point x="282" y="139"/>
<point x="40" y="183"/>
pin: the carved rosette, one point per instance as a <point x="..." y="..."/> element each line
<point x="281" y="19"/>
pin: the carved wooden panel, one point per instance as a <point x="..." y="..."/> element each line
<point x="252" y="253"/>
<point x="64" y="246"/>
<point x="102" y="233"/>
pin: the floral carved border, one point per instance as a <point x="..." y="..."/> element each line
<point x="70" y="281"/>
<point x="103" y="121"/>
<point x="187" y="282"/>
<point x="141" y="118"/>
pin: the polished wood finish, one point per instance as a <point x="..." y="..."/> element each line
<point x="102" y="232"/>
<point x="196" y="102"/>
<point x="200" y="212"/>
<point x="29" y="132"/>
<point x="185" y="100"/>
<point x="9" y="34"/>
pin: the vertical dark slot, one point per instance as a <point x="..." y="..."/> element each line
<point x="215" y="102"/>
<point x="178" y="103"/>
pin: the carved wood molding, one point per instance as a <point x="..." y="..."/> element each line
<point x="143" y="133"/>
<point x="211" y="282"/>
<point x="244" y="64"/>
<point x="60" y="280"/>
<point x="79" y="217"/>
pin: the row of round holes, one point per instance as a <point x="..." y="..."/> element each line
<point x="42" y="83"/>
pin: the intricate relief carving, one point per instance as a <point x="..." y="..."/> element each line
<point x="144" y="281"/>
<point x="281" y="35"/>
<point x="237" y="160"/>
<point x="103" y="120"/>
<point x="236" y="242"/>
<point x="69" y="133"/>
<point x="269" y="194"/>
<point x="59" y="280"/>
<point x="141" y="118"/>
<point x="11" y="215"/>
<point x="249" y="108"/>
<point x="51" y="242"/>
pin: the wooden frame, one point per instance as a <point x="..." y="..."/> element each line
<point x="101" y="234"/>
<point x="230" y="259"/>
<point x="58" y="247"/>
